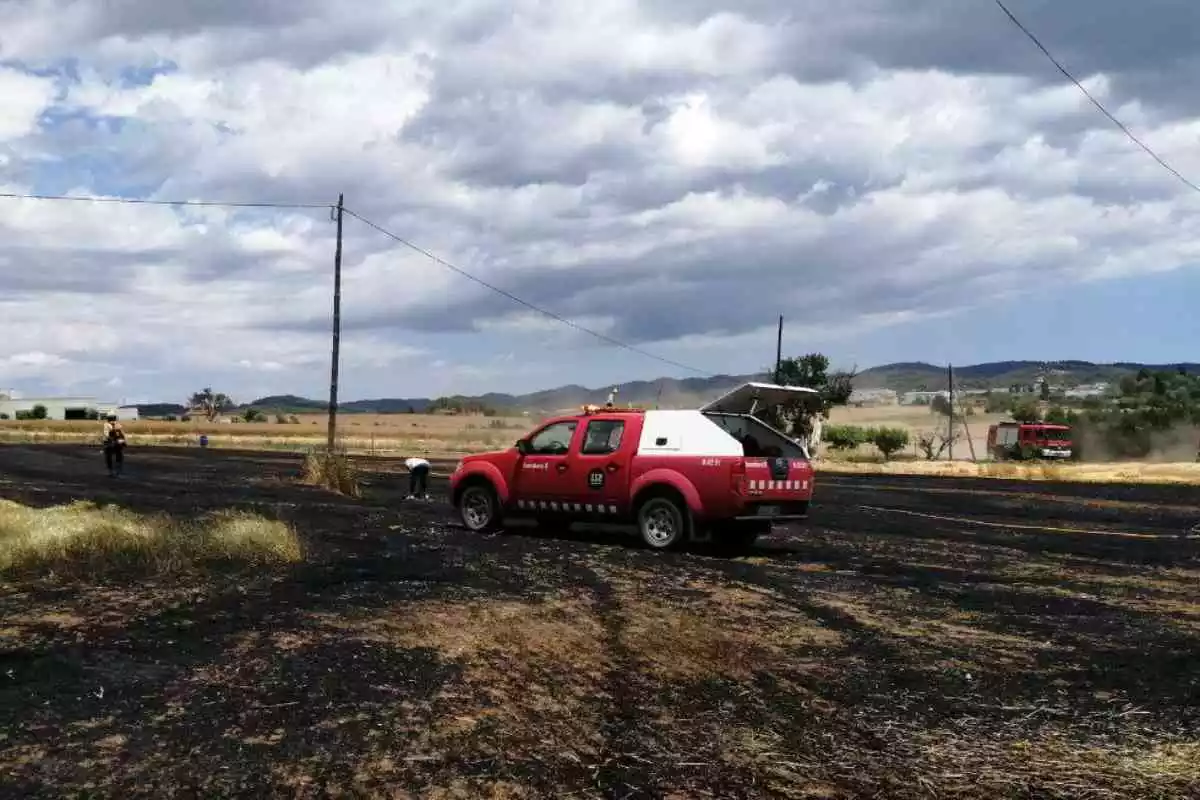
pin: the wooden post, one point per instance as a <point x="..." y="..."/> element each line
<point x="779" y="349"/>
<point x="950" y="380"/>
<point x="337" y="328"/>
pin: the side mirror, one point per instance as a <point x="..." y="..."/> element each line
<point x="523" y="446"/>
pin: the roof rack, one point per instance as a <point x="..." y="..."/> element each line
<point x="610" y="408"/>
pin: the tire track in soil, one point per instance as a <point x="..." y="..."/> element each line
<point x="620" y="774"/>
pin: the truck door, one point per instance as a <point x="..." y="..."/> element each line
<point x="541" y="471"/>
<point x="598" y="471"/>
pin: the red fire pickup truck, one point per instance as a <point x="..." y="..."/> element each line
<point x="717" y="472"/>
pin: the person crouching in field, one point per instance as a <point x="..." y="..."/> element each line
<point x="114" y="446"/>
<point x="418" y="478"/>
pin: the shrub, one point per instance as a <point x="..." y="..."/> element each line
<point x="3" y="416"/>
<point x="38" y="412"/>
<point x="333" y="471"/>
<point x="253" y="415"/>
<point x="933" y="443"/>
<point x="85" y="540"/>
<point x="1026" y="411"/>
<point x="890" y="441"/>
<point x="844" y="437"/>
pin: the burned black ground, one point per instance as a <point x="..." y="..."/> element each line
<point x="917" y="638"/>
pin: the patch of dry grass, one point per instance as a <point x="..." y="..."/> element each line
<point x="86" y="540"/>
<point x="333" y="471"/>
<point x="734" y="635"/>
<point x="531" y="669"/>
<point x="1007" y="767"/>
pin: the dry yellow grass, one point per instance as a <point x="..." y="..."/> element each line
<point x="332" y="471"/>
<point x="382" y="434"/>
<point x="85" y="540"/>
<point x="1125" y="472"/>
<point x="534" y="668"/>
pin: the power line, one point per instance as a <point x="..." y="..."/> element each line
<point x="150" y="202"/>
<point x="1095" y="102"/>
<point x="601" y="336"/>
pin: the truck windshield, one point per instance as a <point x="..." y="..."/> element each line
<point x="1053" y="434"/>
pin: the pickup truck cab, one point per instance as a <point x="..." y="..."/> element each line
<point x="716" y="472"/>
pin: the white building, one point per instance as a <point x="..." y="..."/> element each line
<point x="873" y="397"/>
<point x="1088" y="390"/>
<point x="64" y="408"/>
<point x="921" y="398"/>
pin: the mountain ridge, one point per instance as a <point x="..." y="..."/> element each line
<point x="899" y="376"/>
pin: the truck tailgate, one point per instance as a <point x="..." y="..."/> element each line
<point x="782" y="478"/>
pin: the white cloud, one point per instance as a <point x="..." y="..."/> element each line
<point x="668" y="174"/>
<point x="25" y="98"/>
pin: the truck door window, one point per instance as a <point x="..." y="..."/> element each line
<point x="553" y="440"/>
<point x="603" y="436"/>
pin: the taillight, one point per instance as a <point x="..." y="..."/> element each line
<point x="738" y="476"/>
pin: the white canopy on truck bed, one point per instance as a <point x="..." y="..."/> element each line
<point x="734" y="412"/>
<point x="750" y="397"/>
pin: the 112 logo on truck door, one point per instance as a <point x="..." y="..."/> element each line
<point x="596" y="479"/>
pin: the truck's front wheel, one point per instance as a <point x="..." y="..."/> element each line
<point x="662" y="523"/>
<point x="479" y="508"/>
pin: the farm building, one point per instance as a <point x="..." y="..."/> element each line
<point x="873" y="397"/>
<point x="65" y="408"/>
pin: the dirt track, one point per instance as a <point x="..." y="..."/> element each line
<point x="915" y="638"/>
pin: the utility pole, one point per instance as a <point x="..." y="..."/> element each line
<point x="337" y="326"/>
<point x="950" y="441"/>
<point x="779" y="349"/>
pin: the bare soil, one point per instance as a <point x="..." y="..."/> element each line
<point x="917" y="638"/>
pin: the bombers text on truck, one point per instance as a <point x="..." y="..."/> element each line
<point x="687" y="475"/>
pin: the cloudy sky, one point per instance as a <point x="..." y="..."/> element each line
<point x="901" y="179"/>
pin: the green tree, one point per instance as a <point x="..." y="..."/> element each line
<point x="834" y="388"/>
<point x="844" y="437"/>
<point x="38" y="412"/>
<point x="998" y="402"/>
<point x="1061" y="416"/>
<point x="209" y="403"/>
<point x="253" y="415"/>
<point x="1150" y="409"/>
<point x="1026" y="411"/>
<point x="890" y="441"/>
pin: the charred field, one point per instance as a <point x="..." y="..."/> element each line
<point x="917" y="637"/>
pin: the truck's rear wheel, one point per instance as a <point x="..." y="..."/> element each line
<point x="662" y="523"/>
<point x="479" y="508"/>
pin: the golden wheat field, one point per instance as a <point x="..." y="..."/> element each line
<point x="367" y="433"/>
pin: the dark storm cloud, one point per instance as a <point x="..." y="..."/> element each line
<point x="727" y="286"/>
<point x="1152" y="47"/>
<point x="81" y="269"/>
<point x="500" y="140"/>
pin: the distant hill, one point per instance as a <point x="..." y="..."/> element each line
<point x="682" y="392"/>
<point x="912" y="376"/>
<point x="160" y="410"/>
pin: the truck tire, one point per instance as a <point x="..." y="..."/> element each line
<point x="662" y="523"/>
<point x="479" y="508"/>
